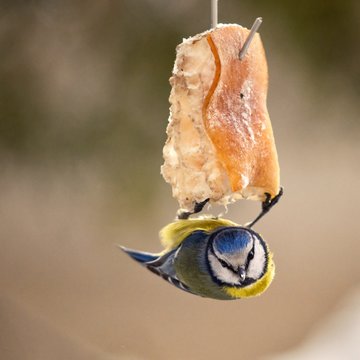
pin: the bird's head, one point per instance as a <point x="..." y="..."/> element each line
<point x="237" y="256"/>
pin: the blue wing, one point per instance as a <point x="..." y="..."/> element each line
<point x="161" y="265"/>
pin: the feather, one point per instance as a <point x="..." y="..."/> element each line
<point x="140" y="256"/>
<point x="172" y="235"/>
<point x="161" y="265"/>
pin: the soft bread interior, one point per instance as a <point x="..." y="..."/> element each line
<point x="191" y="165"/>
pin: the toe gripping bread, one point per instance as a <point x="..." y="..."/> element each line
<point x="220" y="142"/>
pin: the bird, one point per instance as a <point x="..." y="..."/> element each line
<point x="213" y="257"/>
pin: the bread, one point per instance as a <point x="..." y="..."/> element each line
<point x="220" y="141"/>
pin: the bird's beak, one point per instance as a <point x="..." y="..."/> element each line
<point x="242" y="273"/>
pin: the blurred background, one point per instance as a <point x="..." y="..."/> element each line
<point x="83" y="110"/>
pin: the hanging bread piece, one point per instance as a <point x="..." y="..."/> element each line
<point x="220" y="142"/>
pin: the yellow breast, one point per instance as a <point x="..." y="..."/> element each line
<point x="257" y="287"/>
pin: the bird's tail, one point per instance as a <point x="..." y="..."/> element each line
<point x="140" y="256"/>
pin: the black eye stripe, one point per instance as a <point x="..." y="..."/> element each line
<point x="225" y="265"/>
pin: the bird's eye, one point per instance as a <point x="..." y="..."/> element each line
<point x="251" y="255"/>
<point x="223" y="263"/>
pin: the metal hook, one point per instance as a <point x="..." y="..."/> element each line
<point x="251" y="35"/>
<point x="214" y="13"/>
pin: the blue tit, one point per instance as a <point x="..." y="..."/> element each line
<point x="213" y="258"/>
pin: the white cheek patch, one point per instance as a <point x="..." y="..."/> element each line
<point x="222" y="273"/>
<point x="257" y="264"/>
